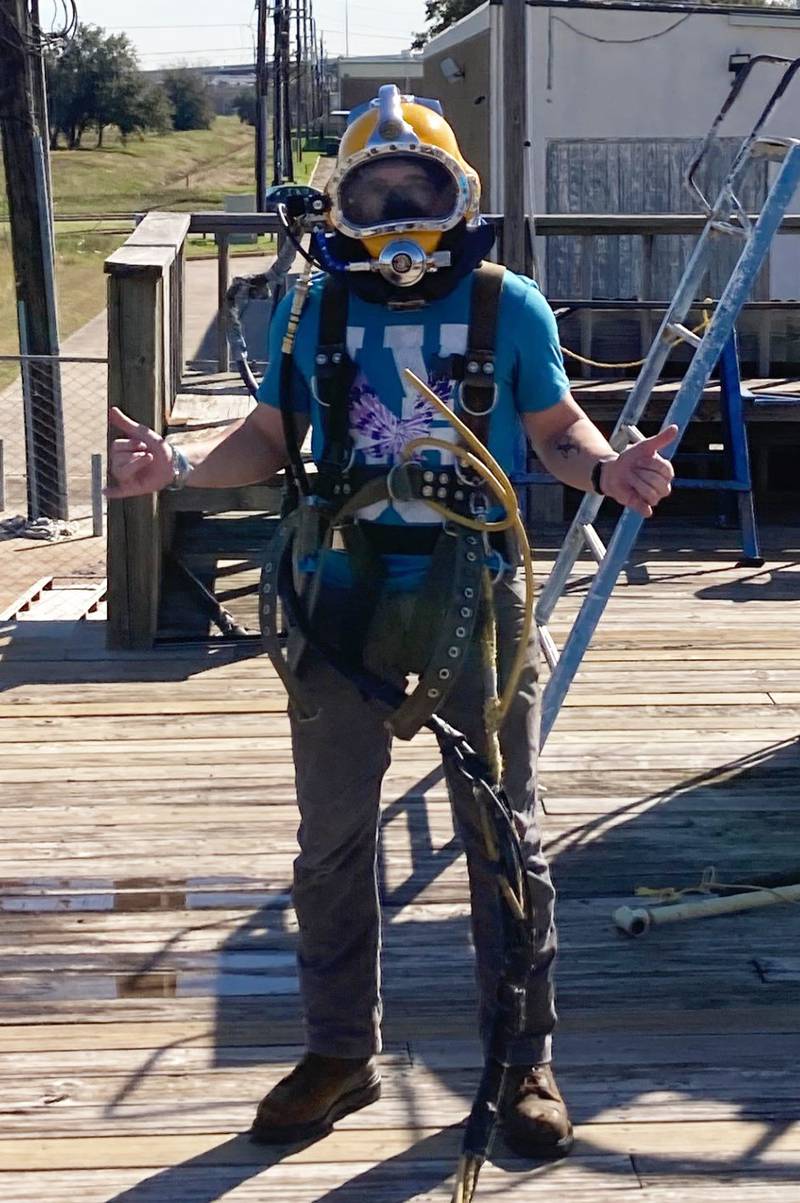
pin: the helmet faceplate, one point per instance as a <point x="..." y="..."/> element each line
<point x="400" y="172"/>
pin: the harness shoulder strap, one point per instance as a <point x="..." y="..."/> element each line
<point x="335" y="372"/>
<point x="477" y="388"/>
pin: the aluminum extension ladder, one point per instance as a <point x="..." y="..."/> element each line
<point x="725" y="217"/>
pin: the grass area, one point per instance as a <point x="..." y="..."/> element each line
<point x="193" y="170"/>
<point x="80" y="285"/>
<point x="204" y="247"/>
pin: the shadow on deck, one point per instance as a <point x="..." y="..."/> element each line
<point x="676" y="1051"/>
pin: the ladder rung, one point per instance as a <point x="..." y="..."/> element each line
<point x="551" y="652"/>
<point x="684" y="334"/>
<point x="727" y="227"/>
<point x="593" y="541"/>
<point x="773" y="148"/>
<point x="626" y="435"/>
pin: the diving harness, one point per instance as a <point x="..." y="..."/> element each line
<point x="318" y="518"/>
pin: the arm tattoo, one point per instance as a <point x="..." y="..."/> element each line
<point x="567" y="447"/>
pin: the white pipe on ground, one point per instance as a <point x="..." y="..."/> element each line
<point x="635" y="921"/>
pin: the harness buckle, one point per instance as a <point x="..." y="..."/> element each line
<point x="333" y="366"/>
<point x="477" y="503"/>
<point x="466" y="475"/>
<point x="401" y="487"/>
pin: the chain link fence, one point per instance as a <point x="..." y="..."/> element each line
<point x="53" y="417"/>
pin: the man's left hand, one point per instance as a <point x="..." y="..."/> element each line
<point x="639" y="477"/>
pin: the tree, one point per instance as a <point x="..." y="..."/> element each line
<point x="117" y="83"/>
<point x="440" y="15"/>
<point x="71" y="79"/>
<point x="95" y="81"/>
<point x="189" y="98"/>
<point x="244" y="105"/>
<point x="148" y="109"/>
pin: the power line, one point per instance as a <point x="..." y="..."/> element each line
<point x="195" y="50"/>
<point x="368" y="33"/>
<point x="238" y="49"/>
<point x="224" y="25"/>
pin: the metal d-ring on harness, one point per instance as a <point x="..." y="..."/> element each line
<point x="339" y="495"/>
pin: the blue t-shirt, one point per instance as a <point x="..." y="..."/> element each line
<point x="386" y="414"/>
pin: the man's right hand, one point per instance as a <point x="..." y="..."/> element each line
<point x="140" y="463"/>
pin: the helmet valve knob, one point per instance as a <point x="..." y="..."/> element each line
<point x="402" y="262"/>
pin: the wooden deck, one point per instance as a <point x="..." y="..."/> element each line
<point x="148" y="997"/>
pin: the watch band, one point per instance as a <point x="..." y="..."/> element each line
<point x="181" y="469"/>
<point x="595" y="475"/>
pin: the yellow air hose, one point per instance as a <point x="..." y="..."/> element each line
<point x="479" y="459"/>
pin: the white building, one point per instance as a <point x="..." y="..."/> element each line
<point x="616" y="101"/>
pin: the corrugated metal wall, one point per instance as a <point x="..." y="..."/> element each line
<point x="630" y="175"/>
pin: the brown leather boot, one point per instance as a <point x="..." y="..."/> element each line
<point x="308" y="1101"/>
<point x="535" y="1119"/>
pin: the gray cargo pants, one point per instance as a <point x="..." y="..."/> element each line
<point x="341" y="755"/>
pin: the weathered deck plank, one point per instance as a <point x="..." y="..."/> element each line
<point x="148" y="995"/>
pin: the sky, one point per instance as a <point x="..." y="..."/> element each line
<point x="205" y="31"/>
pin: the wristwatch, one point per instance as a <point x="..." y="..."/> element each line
<point x="596" y="470"/>
<point x="181" y="469"/>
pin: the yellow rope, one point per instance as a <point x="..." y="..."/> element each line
<point x="635" y="363"/>
<point x="501" y="486"/>
<point x="708" y="884"/>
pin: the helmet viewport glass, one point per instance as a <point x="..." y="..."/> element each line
<point x="397" y="188"/>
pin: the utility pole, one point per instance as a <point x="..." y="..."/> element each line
<point x="298" y="82"/>
<point x="25" y="156"/>
<point x="317" y="107"/>
<point x="515" y="152"/>
<point x="323" y="84"/>
<point x="262" y="107"/>
<point x="277" y="107"/>
<point x="286" y="34"/>
<point x="307" y="76"/>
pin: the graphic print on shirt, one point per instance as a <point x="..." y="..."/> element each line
<point x="379" y="435"/>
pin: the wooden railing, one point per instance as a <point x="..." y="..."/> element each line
<point x="652" y="293"/>
<point x="146" y="358"/>
<point x="145" y="362"/>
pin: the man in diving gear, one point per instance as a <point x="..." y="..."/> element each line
<point x="404" y="286"/>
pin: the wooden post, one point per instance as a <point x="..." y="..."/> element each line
<point x="514" y="132"/>
<point x="168" y="230"/>
<point x="764" y="321"/>
<point x="25" y="152"/>
<point x="136" y="378"/>
<point x="262" y="92"/>
<point x="586" y="317"/>
<point x="98" y="523"/>
<point x="223" y="354"/>
<point x="646" y="294"/>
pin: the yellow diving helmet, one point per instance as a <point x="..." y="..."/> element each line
<point x="399" y="184"/>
